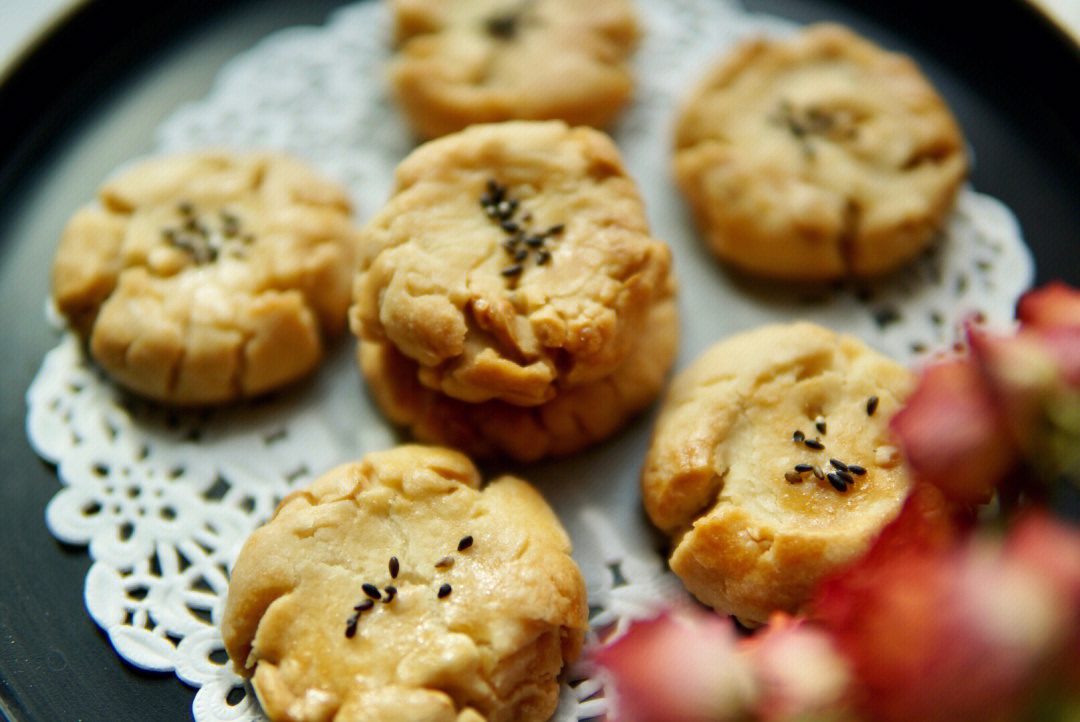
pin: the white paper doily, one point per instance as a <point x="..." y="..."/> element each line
<point x="164" y="499"/>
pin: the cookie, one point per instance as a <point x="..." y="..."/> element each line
<point x="512" y="261"/>
<point x="396" y="588"/>
<point x="772" y="464"/>
<point x="208" y="277"/>
<point x="462" y="62"/>
<point x="817" y="157"/>
<point x="574" y="419"/>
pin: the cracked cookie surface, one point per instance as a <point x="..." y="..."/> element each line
<point x="772" y="464"/>
<point x="396" y="588"/>
<point x="818" y="156"/>
<point x="208" y="277"/>
<point x="512" y="262"/>
<point x="574" y="419"/>
<point x="461" y="62"/>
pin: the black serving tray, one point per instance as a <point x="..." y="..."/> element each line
<point x="88" y="97"/>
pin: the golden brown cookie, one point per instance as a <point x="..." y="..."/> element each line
<point x="772" y="464"/>
<point x="574" y="419"/>
<point x="395" y="588"/>
<point x="208" y="277"/>
<point x="818" y="156"/>
<point x="461" y="62"/>
<point x="513" y="261"/>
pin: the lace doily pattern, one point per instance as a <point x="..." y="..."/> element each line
<point x="164" y="499"/>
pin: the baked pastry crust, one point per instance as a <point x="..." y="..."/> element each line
<point x="462" y="62"/>
<point x="471" y="632"/>
<point x="520" y="304"/>
<point x="208" y="277"/>
<point x="574" y="419"/>
<point x="746" y="539"/>
<point x="818" y="156"/>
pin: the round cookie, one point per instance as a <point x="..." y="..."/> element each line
<point x="513" y="261"/>
<point x="576" y="418"/>
<point x="772" y="464"/>
<point x="208" y="277"/>
<point x="462" y="62"/>
<point x="395" y="588"/>
<point x="818" y="156"/>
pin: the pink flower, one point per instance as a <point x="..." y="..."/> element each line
<point x="681" y="666"/>
<point x="1055" y="305"/>
<point x="941" y="626"/>
<point x="1014" y="398"/>
<point x="799" y="671"/>
<point x="952" y="433"/>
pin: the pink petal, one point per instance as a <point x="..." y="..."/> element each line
<point x="952" y="433"/>
<point x="1054" y="305"/>
<point x="679" y="667"/>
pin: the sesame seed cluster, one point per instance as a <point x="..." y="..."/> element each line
<point x="842" y="476"/>
<point x="389" y="592"/>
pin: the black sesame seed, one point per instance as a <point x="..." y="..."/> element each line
<point x="502" y="26"/>
<point x="364" y="605"/>
<point x="885" y="316"/>
<point x="856" y="469"/>
<point x="534" y="241"/>
<point x="444" y="563"/>
<point x="510" y="226"/>
<point x="836" y="481"/>
<point x="514" y="270"/>
<point x="803" y="468"/>
<point x="444" y="591"/>
<point x="395" y="567"/>
<point x="555" y="230"/>
<point x="818" y="472"/>
<point x="839" y="465"/>
<point x="391" y="592"/>
<point x="543" y="256"/>
<point x="521" y="255"/>
<point x="465" y="543"/>
<point x="798" y="437"/>
<point x="871" y="405"/>
<point x="372" y="591"/>
<point x="350" y="626"/>
<point x="814" y="444"/>
<point x="186" y="208"/>
<point x="846" y="476"/>
<point x="819" y="424"/>
<point x="792" y="477"/>
<point x="510" y="245"/>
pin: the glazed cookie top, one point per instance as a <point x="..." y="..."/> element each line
<point x="398" y="587"/>
<point x="818" y="155"/>
<point x="208" y="276"/>
<point x="732" y="421"/>
<point x="462" y="62"/>
<point x="511" y="259"/>
<point x="772" y="463"/>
